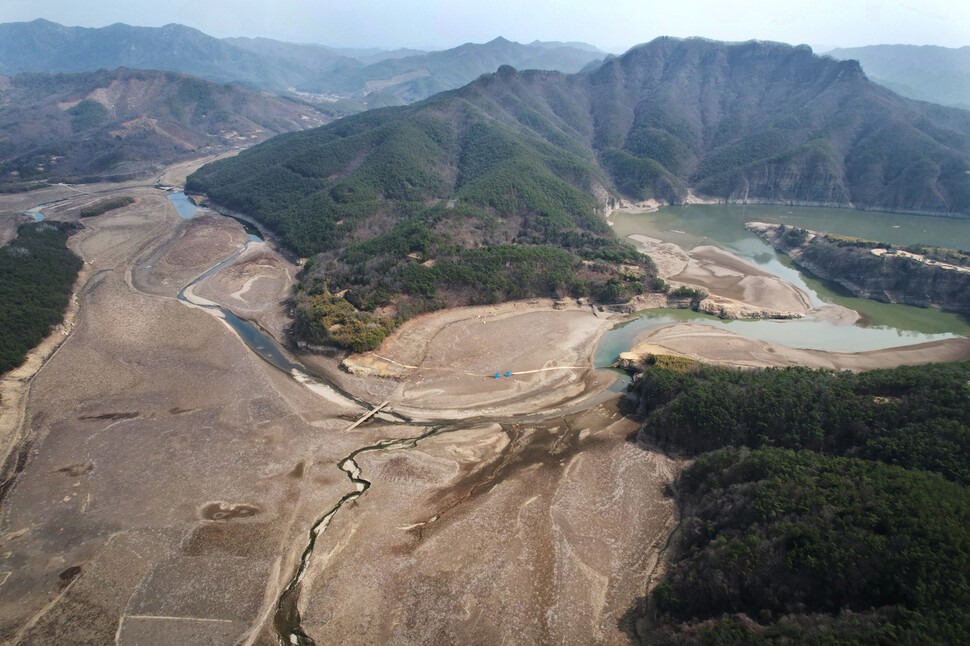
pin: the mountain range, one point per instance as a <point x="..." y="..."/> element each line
<point x="755" y="122"/>
<point x="379" y="77"/>
<point x="43" y="46"/>
<point x="413" y="78"/>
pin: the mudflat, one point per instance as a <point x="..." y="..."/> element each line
<point x="149" y="413"/>
<point x="540" y="532"/>
<point x="448" y="361"/>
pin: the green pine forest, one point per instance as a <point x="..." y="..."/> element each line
<point x="821" y="508"/>
<point x="37" y="271"/>
<point x="401" y="233"/>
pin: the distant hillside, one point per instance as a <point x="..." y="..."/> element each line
<point x="43" y="46"/>
<point x="414" y="78"/>
<point x="319" y="59"/>
<point x="383" y="77"/>
<point x="928" y="73"/>
<point x="126" y="122"/>
<point x="308" y="61"/>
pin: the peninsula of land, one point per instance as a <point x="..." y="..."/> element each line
<point x="918" y="275"/>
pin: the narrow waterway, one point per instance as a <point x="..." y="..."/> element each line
<point x="286" y="620"/>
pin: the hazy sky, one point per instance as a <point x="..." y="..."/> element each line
<point x="613" y="25"/>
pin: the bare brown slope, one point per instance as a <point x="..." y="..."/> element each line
<point x="122" y="123"/>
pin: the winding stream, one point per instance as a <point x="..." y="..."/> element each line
<point x="264" y="345"/>
<point x="286" y="620"/>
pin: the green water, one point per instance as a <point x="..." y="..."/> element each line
<point x="723" y="226"/>
<point x="805" y="333"/>
<point x="883" y="325"/>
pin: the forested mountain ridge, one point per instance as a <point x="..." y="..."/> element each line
<point x="914" y="274"/>
<point x="125" y="122"/>
<point x="432" y="204"/>
<point x="531" y="158"/>
<point x="44" y="46"/>
<point x="756" y="122"/>
<point x="764" y="122"/>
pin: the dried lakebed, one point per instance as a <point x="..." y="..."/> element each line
<point x="175" y="478"/>
<point x="287" y="616"/>
<point x="181" y="489"/>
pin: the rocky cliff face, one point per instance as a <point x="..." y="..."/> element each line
<point x="889" y="278"/>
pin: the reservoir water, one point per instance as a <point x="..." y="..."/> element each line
<point x="185" y="207"/>
<point x="187" y="210"/>
<point x="36" y="212"/>
<point x="883" y="325"/>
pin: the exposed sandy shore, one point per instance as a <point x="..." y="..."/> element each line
<point x="646" y="206"/>
<point x="150" y="413"/>
<point x="736" y="288"/>
<point x="255" y="286"/>
<point x="447" y="360"/>
<point x="652" y="205"/>
<point x="722" y="347"/>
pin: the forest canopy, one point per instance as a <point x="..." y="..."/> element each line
<point x="37" y="271"/>
<point x="822" y="508"/>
